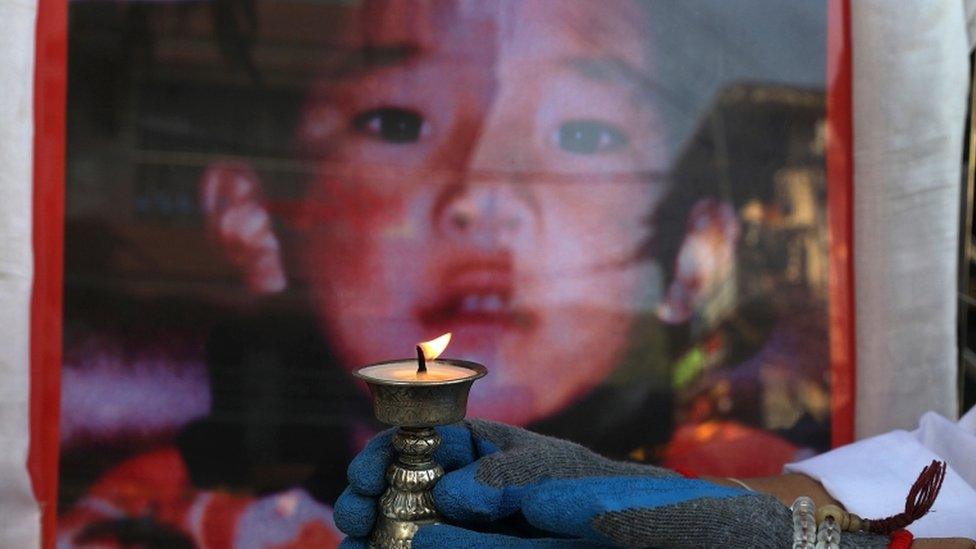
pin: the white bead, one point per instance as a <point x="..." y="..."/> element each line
<point x="804" y="523"/>
<point x="828" y="534"/>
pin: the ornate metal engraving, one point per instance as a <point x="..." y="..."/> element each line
<point x="420" y="406"/>
<point x="407" y="502"/>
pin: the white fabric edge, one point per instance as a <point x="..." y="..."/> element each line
<point x="19" y="512"/>
<point x="872" y="477"/>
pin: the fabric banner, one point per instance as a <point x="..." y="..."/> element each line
<point x="620" y="208"/>
<point x="648" y="240"/>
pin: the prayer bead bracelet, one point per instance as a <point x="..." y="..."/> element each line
<point x="820" y="528"/>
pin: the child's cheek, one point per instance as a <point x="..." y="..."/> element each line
<point x="352" y="217"/>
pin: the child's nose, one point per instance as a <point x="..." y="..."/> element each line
<point x="487" y="213"/>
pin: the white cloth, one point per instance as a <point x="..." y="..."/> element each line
<point x="19" y="514"/>
<point x="871" y="477"/>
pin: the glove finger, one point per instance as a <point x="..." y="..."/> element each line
<point x="491" y="437"/>
<point x="354" y="543"/>
<point x="367" y="471"/>
<point x="438" y="536"/>
<point x="457" y="448"/>
<point x="568" y="506"/>
<point x="460" y="496"/>
<point x="354" y="514"/>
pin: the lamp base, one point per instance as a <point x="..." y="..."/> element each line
<point x="407" y="504"/>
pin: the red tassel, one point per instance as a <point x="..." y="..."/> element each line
<point x="901" y="539"/>
<point x="920" y="499"/>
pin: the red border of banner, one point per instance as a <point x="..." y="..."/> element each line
<point x="840" y="203"/>
<point x="50" y="87"/>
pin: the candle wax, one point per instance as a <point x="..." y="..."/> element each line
<point x="407" y="371"/>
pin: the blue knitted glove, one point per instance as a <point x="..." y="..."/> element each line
<point x="356" y="509"/>
<point x="581" y="499"/>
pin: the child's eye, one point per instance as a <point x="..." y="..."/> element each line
<point x="391" y="124"/>
<point x="589" y="137"/>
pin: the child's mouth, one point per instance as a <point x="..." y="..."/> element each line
<point x="477" y="293"/>
<point x="473" y="306"/>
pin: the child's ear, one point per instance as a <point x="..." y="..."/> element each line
<point x="705" y="265"/>
<point x="238" y="221"/>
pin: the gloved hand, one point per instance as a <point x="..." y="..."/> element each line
<point x="495" y="471"/>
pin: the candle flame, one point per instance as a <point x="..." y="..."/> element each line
<point x="433" y="348"/>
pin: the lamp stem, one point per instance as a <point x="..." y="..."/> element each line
<point x="408" y="502"/>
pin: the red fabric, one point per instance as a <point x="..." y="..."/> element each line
<point x="902" y="539"/>
<point x="154" y="484"/>
<point x="218" y="525"/>
<point x="687" y="473"/>
<point x="727" y="449"/>
<point x="840" y="203"/>
<point x="50" y="83"/>
<point x="157" y="485"/>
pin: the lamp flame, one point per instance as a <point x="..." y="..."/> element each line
<point x="433" y="348"/>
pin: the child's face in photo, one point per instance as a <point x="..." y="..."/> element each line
<point x="485" y="168"/>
